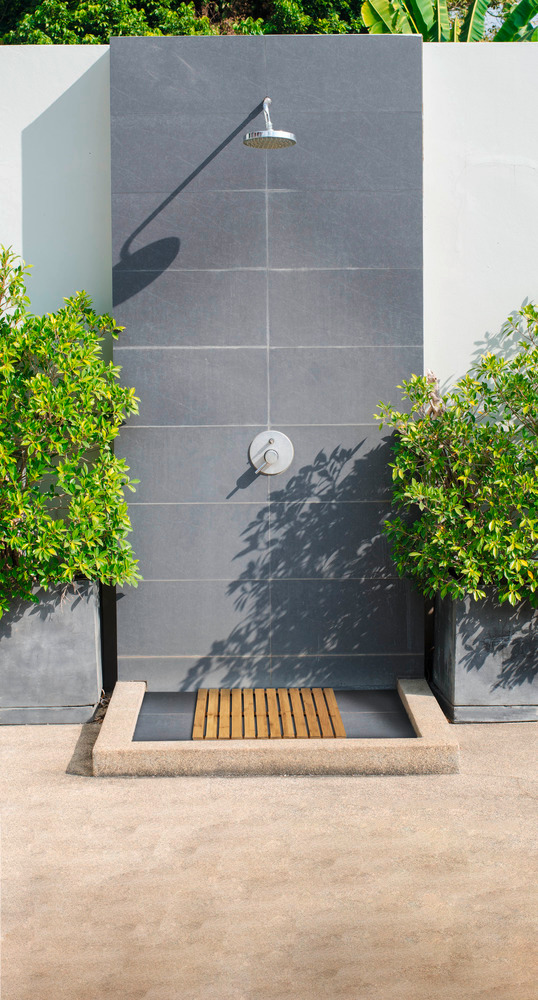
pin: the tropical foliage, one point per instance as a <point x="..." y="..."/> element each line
<point x="34" y="22"/>
<point x="62" y="508"/>
<point x="465" y="475"/>
<point x="432" y="20"/>
<point x="83" y="21"/>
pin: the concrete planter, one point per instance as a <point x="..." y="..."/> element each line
<point x="50" y="657"/>
<point x="486" y="660"/>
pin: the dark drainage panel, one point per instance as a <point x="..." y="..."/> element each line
<point x="169" y="715"/>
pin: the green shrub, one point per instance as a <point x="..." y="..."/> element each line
<point x="55" y="22"/>
<point x="465" y="476"/>
<point x="313" y="17"/>
<point x="69" y="22"/>
<point x="62" y="510"/>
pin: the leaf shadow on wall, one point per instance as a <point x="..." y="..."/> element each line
<point x="137" y="269"/>
<point x="51" y="601"/>
<point x="498" y="342"/>
<point x="509" y="634"/>
<point x="492" y="342"/>
<point x="319" y="577"/>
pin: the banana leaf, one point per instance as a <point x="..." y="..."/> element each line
<point x="441" y="27"/>
<point x="516" y="27"/>
<point x="472" y="29"/>
<point x="421" y="13"/>
<point x="527" y="34"/>
<point x="383" y="17"/>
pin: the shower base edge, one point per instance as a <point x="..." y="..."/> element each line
<point x="434" y="750"/>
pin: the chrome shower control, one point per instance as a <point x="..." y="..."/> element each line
<point x="271" y="452"/>
<point x="270" y="457"/>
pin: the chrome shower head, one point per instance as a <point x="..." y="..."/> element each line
<point x="269" y="138"/>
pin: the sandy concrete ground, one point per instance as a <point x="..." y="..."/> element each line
<point x="368" y="888"/>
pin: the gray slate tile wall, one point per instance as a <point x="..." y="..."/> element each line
<point x="279" y="289"/>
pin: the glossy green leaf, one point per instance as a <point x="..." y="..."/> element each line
<point x="421" y="13"/>
<point x="383" y="17"/>
<point x="472" y="29"/>
<point x="517" y="25"/>
<point x="465" y="478"/>
<point x="440" y="31"/>
<point x="62" y="505"/>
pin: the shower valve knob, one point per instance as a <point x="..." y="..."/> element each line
<point x="271" y="452"/>
<point x="269" y="458"/>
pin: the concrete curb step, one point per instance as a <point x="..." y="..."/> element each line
<point x="434" y="750"/>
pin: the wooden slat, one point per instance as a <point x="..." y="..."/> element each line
<point x="286" y="717"/>
<point x="248" y="714"/>
<point x="237" y="714"/>
<point x="334" y="712"/>
<point x="241" y="713"/>
<point x="261" y="714"/>
<point x="310" y="712"/>
<point x="301" y="729"/>
<point x="212" y="714"/>
<point x="224" y="714"/>
<point x="274" y="718"/>
<point x="323" y="715"/>
<point x="199" y="715"/>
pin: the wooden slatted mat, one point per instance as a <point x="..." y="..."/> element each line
<point x="267" y="713"/>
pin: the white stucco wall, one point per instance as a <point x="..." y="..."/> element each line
<point x="55" y="168"/>
<point x="480" y="183"/>
<point x="480" y="195"/>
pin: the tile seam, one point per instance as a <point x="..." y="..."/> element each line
<point x="264" y="656"/>
<point x="246" y="503"/>
<point x="238" y="503"/>
<point x="336" y="267"/>
<point x="270" y="579"/>
<point x="285" y="423"/>
<point x="261" y="347"/>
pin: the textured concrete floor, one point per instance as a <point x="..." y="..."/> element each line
<point x="417" y="888"/>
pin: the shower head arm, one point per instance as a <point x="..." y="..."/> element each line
<point x="268" y="122"/>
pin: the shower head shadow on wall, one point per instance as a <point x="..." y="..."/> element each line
<point x="269" y="138"/>
<point x="139" y="268"/>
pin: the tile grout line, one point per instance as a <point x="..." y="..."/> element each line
<point x="284" y="423"/>
<point x="247" y="503"/>
<point x="268" y="346"/>
<point x="267" y="337"/>
<point x="258" y="656"/>
<point x="268" y="377"/>
<point x="370" y="192"/>
<point x="174" y="116"/>
<point x="259" y="347"/>
<point x="210" y="270"/>
<point x="244" y="503"/>
<point x="270" y="579"/>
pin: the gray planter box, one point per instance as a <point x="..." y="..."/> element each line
<point x="50" y="657"/>
<point x="486" y="660"/>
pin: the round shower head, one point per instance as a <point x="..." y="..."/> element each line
<point x="269" y="139"/>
